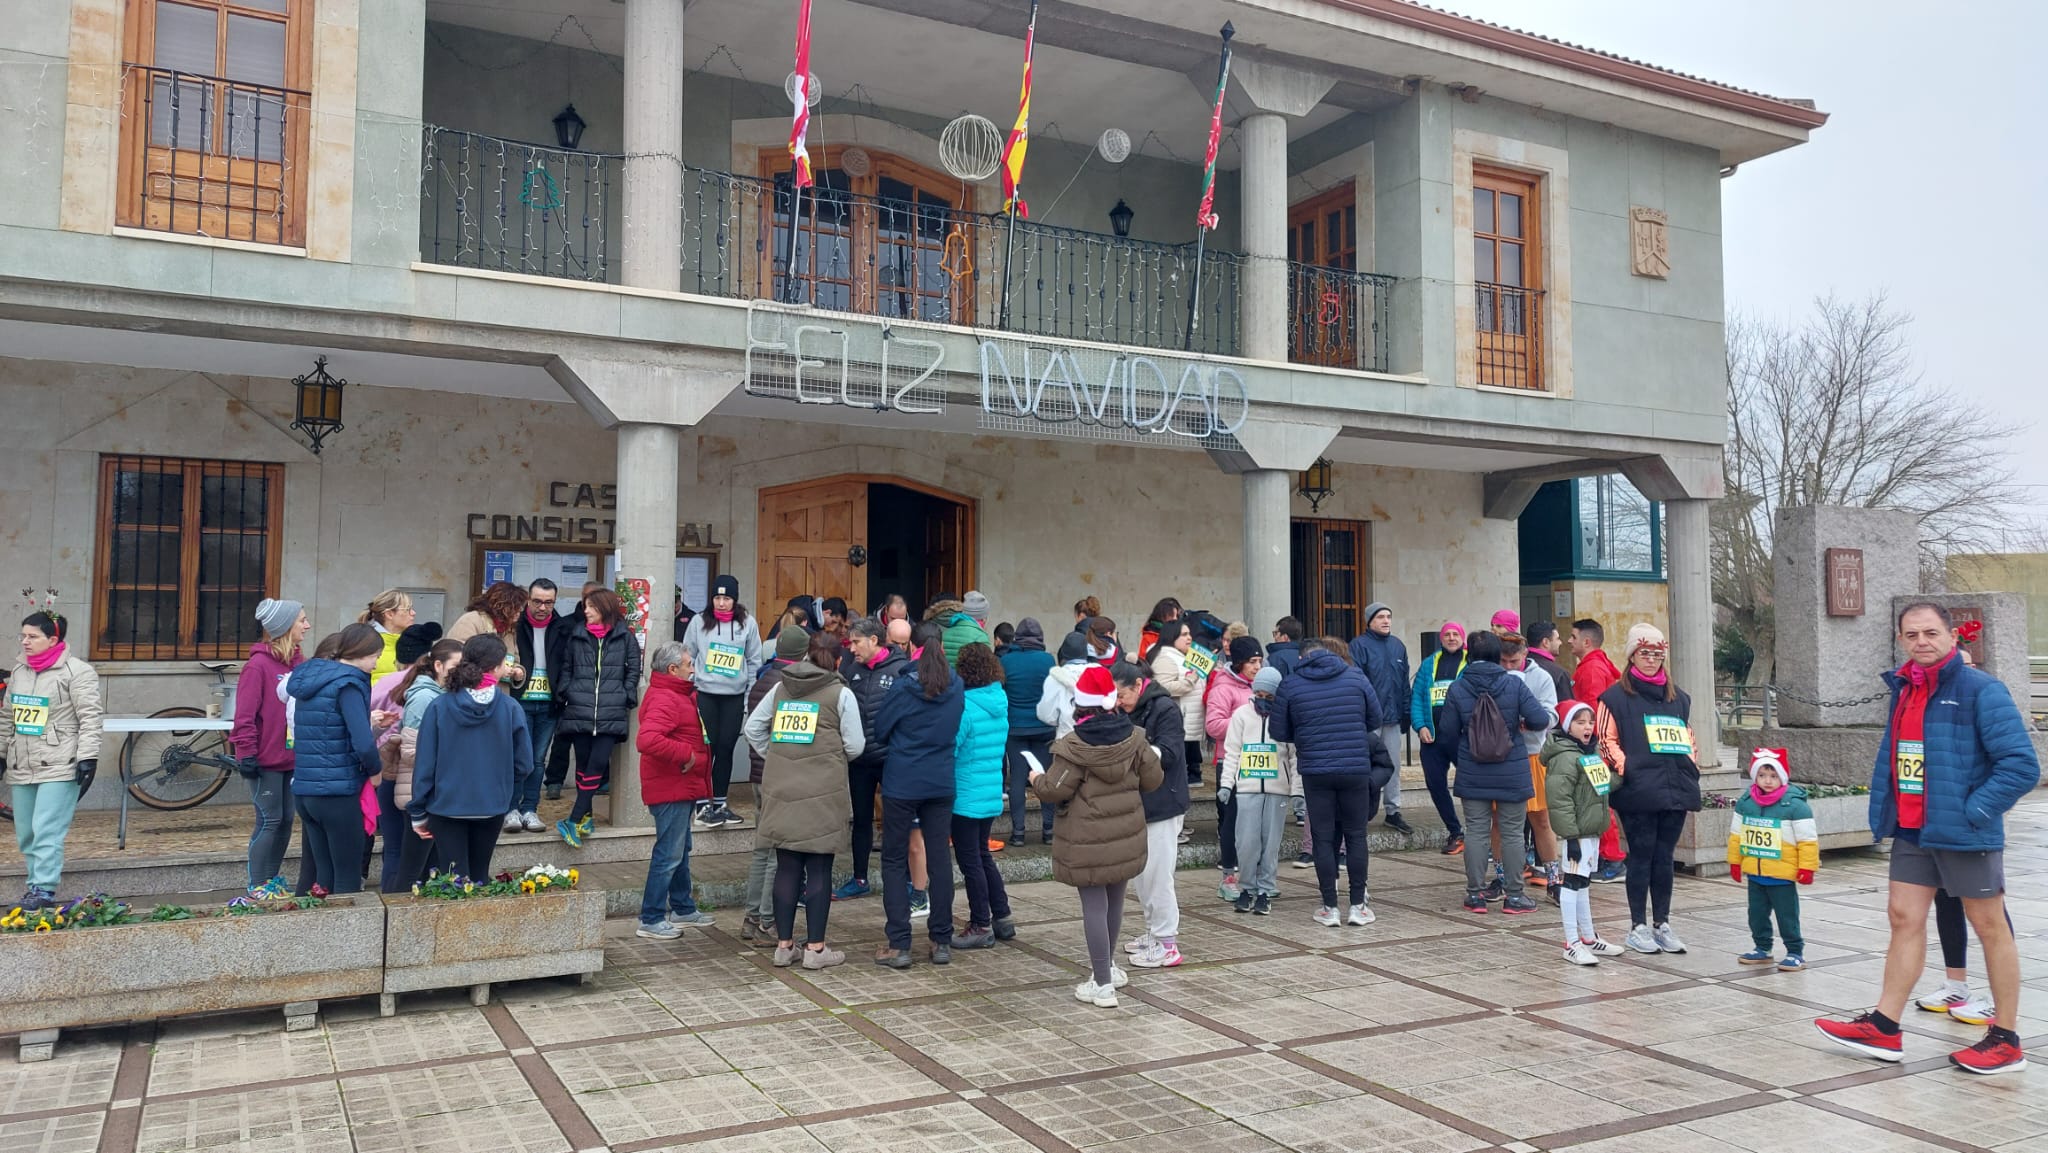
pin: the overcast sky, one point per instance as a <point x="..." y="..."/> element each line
<point x="1930" y="179"/>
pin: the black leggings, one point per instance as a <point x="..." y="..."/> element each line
<point x="1226" y="828"/>
<point x="593" y="768"/>
<point x="723" y="715"/>
<point x="465" y="846"/>
<point x="332" y="835"/>
<point x="1954" y="930"/>
<point x="1039" y="746"/>
<point x="864" y="781"/>
<point x="987" y="899"/>
<point x="1193" y="761"/>
<point x="558" y="760"/>
<point x="1652" y="849"/>
<point x="805" y="876"/>
<point x="1436" y="772"/>
<point x="1338" y="809"/>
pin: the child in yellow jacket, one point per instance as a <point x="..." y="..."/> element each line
<point x="1774" y="843"/>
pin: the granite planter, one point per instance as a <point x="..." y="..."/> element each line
<point x="438" y="944"/>
<point x="1843" y="823"/>
<point x="107" y="976"/>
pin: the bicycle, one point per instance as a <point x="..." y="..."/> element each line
<point x="172" y="769"/>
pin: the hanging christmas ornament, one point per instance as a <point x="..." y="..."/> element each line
<point x="971" y="148"/>
<point x="813" y="92"/>
<point x="856" y="162"/>
<point x="1114" y="146"/>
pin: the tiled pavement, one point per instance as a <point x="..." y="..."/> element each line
<point x="1430" y="1031"/>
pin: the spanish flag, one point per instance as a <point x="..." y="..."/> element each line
<point x="800" y="127"/>
<point x="1013" y="148"/>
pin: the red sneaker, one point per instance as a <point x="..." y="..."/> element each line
<point x="1989" y="1056"/>
<point x="1862" y="1036"/>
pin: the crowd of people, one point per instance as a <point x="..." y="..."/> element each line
<point x="438" y="744"/>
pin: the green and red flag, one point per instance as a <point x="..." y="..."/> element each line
<point x="800" y="127"/>
<point x="1205" y="216"/>
<point x="1020" y="133"/>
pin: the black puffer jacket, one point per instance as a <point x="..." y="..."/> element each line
<point x="870" y="684"/>
<point x="1160" y="718"/>
<point x="598" y="685"/>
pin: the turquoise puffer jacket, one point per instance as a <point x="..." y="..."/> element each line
<point x="978" y="753"/>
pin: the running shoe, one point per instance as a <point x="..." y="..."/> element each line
<point x="920" y="904"/>
<point x="1453" y="844"/>
<point x="1399" y="824"/>
<point x="1611" y="872"/>
<point x="1601" y="948"/>
<point x="1475" y="901"/>
<point x="659" y="931"/>
<point x="1325" y="915"/>
<point x="851" y="888"/>
<point x="1975" y="1011"/>
<point x="1140" y="943"/>
<point x="1304" y="861"/>
<point x="1945" y="998"/>
<point x="1246" y="901"/>
<point x="1229" y="889"/>
<point x="997" y="844"/>
<point x="1641" y="940"/>
<point x="531" y="822"/>
<point x="1160" y="956"/>
<point x="1517" y="905"/>
<point x="1756" y="957"/>
<point x="1862" y="1036"/>
<point x="1263" y="907"/>
<point x="1989" y="1056"/>
<point x="1578" y="954"/>
<point x="1090" y="993"/>
<point x="1667" y="940"/>
<point x="570" y="832"/>
<point x="1361" y="915"/>
<point x="1792" y="963"/>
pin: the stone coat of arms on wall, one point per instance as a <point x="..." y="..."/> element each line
<point x="1649" y="248"/>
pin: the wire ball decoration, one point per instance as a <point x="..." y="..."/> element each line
<point x="971" y="148"/>
<point x="813" y="93"/>
<point x="856" y="162"/>
<point x="1114" y="145"/>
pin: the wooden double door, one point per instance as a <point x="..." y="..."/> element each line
<point x="808" y="534"/>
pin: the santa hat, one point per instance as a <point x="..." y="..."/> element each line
<point x="1774" y="758"/>
<point x="1566" y="710"/>
<point x="1096" y="689"/>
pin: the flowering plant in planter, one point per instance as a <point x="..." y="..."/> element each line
<point x="454" y="887"/>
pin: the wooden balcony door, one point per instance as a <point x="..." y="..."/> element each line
<point x="1322" y="233"/>
<point x="1507" y="265"/>
<point x="873" y="238"/>
<point x="215" y="109"/>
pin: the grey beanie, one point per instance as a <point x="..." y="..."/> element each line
<point x="1376" y="608"/>
<point x="975" y="605"/>
<point x="1268" y="680"/>
<point x="278" y="617"/>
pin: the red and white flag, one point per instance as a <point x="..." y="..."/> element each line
<point x="800" y="126"/>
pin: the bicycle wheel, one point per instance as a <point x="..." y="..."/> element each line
<point x="175" y="770"/>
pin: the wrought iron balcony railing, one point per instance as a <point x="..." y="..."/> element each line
<point x="497" y="204"/>
<point x="208" y="156"/>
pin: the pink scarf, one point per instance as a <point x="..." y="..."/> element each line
<point x="881" y="654"/>
<point x="45" y="660"/>
<point x="1765" y="799"/>
<point x="722" y="616"/>
<point x="490" y="681"/>
<point x="1663" y="676"/>
<point x="598" y="631"/>
<point x="540" y="622"/>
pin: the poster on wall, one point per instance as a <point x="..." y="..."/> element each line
<point x="569" y="571"/>
<point x="693" y="577"/>
<point x="637" y="593"/>
<point x="497" y="567"/>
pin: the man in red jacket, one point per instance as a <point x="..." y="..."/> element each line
<point x="1595" y="674"/>
<point x="675" y="776"/>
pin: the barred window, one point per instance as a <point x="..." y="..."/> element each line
<point x="186" y="549"/>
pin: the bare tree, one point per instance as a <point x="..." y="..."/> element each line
<point x="1832" y="411"/>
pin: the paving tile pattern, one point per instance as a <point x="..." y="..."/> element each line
<point x="1432" y="1031"/>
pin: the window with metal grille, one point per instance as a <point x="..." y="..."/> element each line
<point x="1332" y="575"/>
<point x="186" y="549"/>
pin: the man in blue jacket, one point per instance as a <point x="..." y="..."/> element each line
<point x="1494" y="790"/>
<point x="1384" y="658"/>
<point x="1327" y="710"/>
<point x="1955" y="756"/>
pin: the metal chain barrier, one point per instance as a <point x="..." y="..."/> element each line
<point x="1816" y="702"/>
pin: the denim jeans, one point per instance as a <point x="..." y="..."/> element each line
<point x="271" y="793"/>
<point x="540" y="724"/>
<point x="668" y="870"/>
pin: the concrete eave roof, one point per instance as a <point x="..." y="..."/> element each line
<point x="1403" y="37"/>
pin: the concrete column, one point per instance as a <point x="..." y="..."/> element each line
<point x="1262" y="287"/>
<point x="1692" y="619"/>
<point x="648" y="459"/>
<point x="651" y="256"/>
<point x="1268" y="556"/>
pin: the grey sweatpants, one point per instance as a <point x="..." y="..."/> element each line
<point x="1479" y="821"/>
<point x="1261" y="817"/>
<point x="759" y="899"/>
<point x="1390" y="797"/>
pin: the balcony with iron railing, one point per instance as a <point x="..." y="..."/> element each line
<point x="214" y="157"/>
<point x="527" y="209"/>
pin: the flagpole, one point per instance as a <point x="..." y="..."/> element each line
<point x="799" y="154"/>
<point x="796" y="220"/>
<point x="1016" y="176"/>
<point x="1204" y="224"/>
